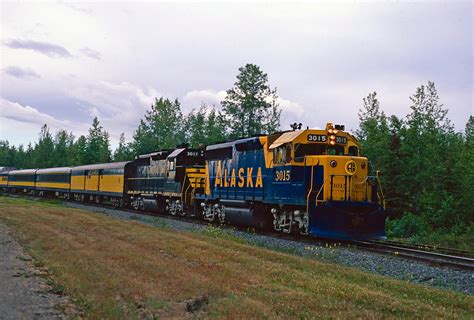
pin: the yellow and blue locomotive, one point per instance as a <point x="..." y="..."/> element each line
<point x="307" y="181"/>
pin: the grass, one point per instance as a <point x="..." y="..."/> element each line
<point x="122" y="269"/>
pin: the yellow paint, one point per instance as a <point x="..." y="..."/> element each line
<point x="196" y="176"/>
<point x="241" y="178"/>
<point x="92" y="182"/>
<point x="218" y="181"/>
<point x="208" y="181"/>
<point x="249" y="178"/>
<point x="268" y="156"/>
<point x="259" y="181"/>
<point x="226" y="183"/>
<point x="344" y="184"/>
<point x="77" y="183"/>
<point x="3" y="180"/>
<point x="232" y="178"/>
<point x="111" y="183"/>
<point x="53" y="185"/>
<point x="21" y="184"/>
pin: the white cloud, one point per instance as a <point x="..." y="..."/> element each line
<point x="20" y="123"/>
<point x="290" y="107"/>
<point x="15" y="111"/>
<point x="193" y="99"/>
<point x="119" y="106"/>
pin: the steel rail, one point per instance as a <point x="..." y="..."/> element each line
<point x="434" y="258"/>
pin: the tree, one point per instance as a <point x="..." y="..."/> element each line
<point x="79" y="151"/>
<point x="465" y="174"/>
<point x="123" y="151"/>
<point x="7" y="157"/>
<point x="250" y="105"/>
<point x="44" y="150"/>
<point x="425" y="143"/>
<point x="63" y="142"/>
<point x="162" y="127"/>
<point x="215" y="127"/>
<point x="195" y="124"/>
<point x="98" y="144"/>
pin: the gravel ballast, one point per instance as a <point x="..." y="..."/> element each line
<point x="386" y="265"/>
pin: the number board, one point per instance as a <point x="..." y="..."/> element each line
<point x="341" y="140"/>
<point x="317" y="138"/>
<point x="193" y="153"/>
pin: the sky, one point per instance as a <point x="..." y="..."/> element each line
<point x="63" y="63"/>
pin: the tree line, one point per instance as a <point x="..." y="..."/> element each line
<point x="427" y="167"/>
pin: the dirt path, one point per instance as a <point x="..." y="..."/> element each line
<point x="23" y="293"/>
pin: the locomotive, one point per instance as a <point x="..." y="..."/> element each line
<point x="312" y="182"/>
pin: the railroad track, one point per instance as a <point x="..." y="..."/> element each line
<point x="434" y="255"/>
<point x="430" y="254"/>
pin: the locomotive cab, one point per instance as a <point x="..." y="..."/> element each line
<point x="324" y="170"/>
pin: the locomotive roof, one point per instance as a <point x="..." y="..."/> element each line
<point x="286" y="137"/>
<point x="24" y="171"/>
<point x="175" y="153"/>
<point x="99" y="166"/>
<point x="153" y="154"/>
<point x="54" y="170"/>
<point x="232" y="143"/>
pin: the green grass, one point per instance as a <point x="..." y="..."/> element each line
<point x="117" y="268"/>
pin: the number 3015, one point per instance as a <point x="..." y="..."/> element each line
<point x="282" y="175"/>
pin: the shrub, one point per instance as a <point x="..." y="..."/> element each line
<point x="407" y="226"/>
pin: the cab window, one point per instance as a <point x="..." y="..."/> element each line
<point x="282" y="154"/>
<point x="335" y="151"/>
<point x="353" y="151"/>
<point x="302" y="150"/>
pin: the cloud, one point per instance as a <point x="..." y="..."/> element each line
<point x="290" y="107"/>
<point x="119" y="106"/>
<point x="46" y="48"/>
<point x="22" y="73"/>
<point x="193" y="99"/>
<point x="15" y="111"/>
<point x="77" y="8"/>
<point x="91" y="53"/>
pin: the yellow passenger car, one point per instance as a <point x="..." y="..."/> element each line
<point x="22" y="180"/>
<point x="99" y="181"/>
<point x="4" y="177"/>
<point x="57" y="180"/>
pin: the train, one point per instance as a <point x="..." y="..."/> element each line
<point x="304" y="181"/>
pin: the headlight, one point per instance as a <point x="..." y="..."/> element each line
<point x="333" y="163"/>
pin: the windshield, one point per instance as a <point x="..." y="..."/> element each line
<point x="302" y="150"/>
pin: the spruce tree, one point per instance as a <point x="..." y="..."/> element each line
<point x="44" y="150"/>
<point x="123" y="151"/>
<point x="98" y="145"/>
<point x="161" y="128"/>
<point x="251" y="106"/>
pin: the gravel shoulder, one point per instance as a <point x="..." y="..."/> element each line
<point x="390" y="266"/>
<point x="24" y="294"/>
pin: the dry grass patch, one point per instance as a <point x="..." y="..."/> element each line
<point x="122" y="269"/>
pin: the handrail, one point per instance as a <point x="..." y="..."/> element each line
<point x="321" y="189"/>
<point x="382" y="198"/>
<point x="311" y="188"/>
